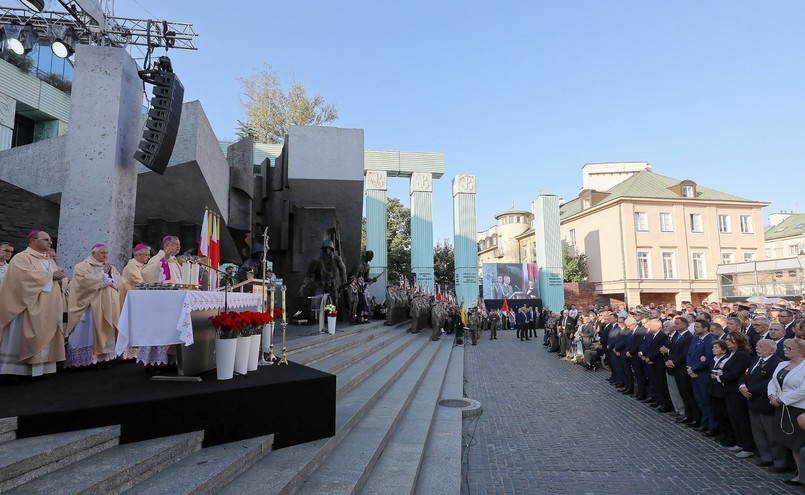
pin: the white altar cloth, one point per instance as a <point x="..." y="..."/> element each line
<point x="162" y="317"/>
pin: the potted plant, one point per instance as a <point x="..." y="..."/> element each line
<point x="227" y="327"/>
<point x="332" y="314"/>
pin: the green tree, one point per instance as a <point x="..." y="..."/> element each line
<point x="271" y="110"/>
<point x="398" y="233"/>
<point x="444" y="264"/>
<point x="574" y="266"/>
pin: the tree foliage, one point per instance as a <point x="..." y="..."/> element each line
<point x="271" y="110"/>
<point x="398" y="233"/>
<point x="444" y="264"/>
<point x="574" y="266"/>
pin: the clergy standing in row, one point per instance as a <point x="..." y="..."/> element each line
<point x="93" y="306"/>
<point x="31" y="307"/>
<point x="162" y="268"/>
<point x="133" y="271"/>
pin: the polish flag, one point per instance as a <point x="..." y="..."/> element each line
<point x="204" y="242"/>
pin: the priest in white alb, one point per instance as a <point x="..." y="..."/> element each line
<point x="164" y="268"/>
<point x="93" y="310"/>
<point x="31" y="307"/>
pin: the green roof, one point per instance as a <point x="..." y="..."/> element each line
<point x="791" y="226"/>
<point x="648" y="185"/>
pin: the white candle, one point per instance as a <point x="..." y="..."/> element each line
<point x="283" y="304"/>
<point x="194" y="274"/>
<point x="185" y="273"/>
<point x="271" y="308"/>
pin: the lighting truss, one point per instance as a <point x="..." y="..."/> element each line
<point x="110" y="31"/>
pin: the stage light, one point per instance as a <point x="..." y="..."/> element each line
<point x="34" y="5"/>
<point x="64" y="40"/>
<point x="20" y="39"/>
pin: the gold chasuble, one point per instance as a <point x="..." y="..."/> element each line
<point x="84" y="291"/>
<point x="131" y="276"/>
<point x="159" y="270"/>
<point x="31" y="307"/>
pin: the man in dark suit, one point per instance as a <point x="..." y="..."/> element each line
<point x="622" y="350"/>
<point x="699" y="361"/>
<point x="605" y="326"/>
<point x="777" y="335"/>
<point x="613" y="341"/>
<point x="676" y="362"/>
<point x="754" y="386"/>
<point x="637" y="362"/>
<point x="655" y="360"/>
<point x="520" y="320"/>
<point x="786" y="317"/>
<point x="761" y="326"/>
<point x="564" y="329"/>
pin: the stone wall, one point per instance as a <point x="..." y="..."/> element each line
<point x="21" y="212"/>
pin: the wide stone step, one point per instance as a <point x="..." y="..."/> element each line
<point x="316" y="339"/>
<point x="333" y="346"/>
<point x="283" y="470"/>
<point x="115" y="470"/>
<point x="347" y="467"/>
<point x="26" y="459"/>
<point x="397" y="468"/>
<point x="8" y="429"/>
<point x="206" y="470"/>
<point x="338" y="362"/>
<point x="354" y="374"/>
<point x="440" y="470"/>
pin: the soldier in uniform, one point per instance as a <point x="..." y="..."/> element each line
<point x="475" y="325"/>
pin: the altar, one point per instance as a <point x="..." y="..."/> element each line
<point x="168" y="317"/>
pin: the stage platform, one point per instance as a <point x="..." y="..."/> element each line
<point x="294" y="402"/>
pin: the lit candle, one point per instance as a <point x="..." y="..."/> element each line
<point x="185" y="273"/>
<point x="271" y="308"/>
<point x="283" y="304"/>
<point x="194" y="268"/>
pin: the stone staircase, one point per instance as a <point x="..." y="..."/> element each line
<point x="391" y="434"/>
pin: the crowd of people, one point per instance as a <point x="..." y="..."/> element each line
<point x="734" y="373"/>
<point x="35" y="294"/>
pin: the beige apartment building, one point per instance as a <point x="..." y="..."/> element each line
<point x="656" y="239"/>
<point x="785" y="236"/>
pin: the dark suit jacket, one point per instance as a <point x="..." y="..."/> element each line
<point x="678" y="354"/>
<point x="757" y="383"/>
<point x="653" y="352"/>
<point x="604" y="334"/>
<point x="734" y="370"/>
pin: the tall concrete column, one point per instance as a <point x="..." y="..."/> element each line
<point x="376" y="220"/>
<point x="8" y="107"/>
<point x="549" y="251"/>
<point x="422" y="228"/>
<point x="464" y="240"/>
<point x="97" y="202"/>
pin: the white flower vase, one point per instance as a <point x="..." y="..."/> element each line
<point x="225" y="350"/>
<point x="254" y="352"/>
<point x="242" y="355"/>
<point x="331" y="325"/>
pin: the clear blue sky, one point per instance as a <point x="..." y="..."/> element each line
<point x="522" y="94"/>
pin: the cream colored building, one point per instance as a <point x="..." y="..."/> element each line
<point x="655" y="239"/>
<point x="785" y="236"/>
<point x="511" y="240"/>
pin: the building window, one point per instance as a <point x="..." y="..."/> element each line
<point x="793" y="250"/>
<point x="585" y="203"/>
<point x="666" y="222"/>
<point x="769" y="253"/>
<point x="727" y="258"/>
<point x="696" y="222"/>
<point x="724" y="224"/>
<point x="746" y="224"/>
<point x="571" y="237"/>
<point x="750" y="257"/>
<point x="643" y="265"/>
<point x="668" y="266"/>
<point x="698" y="266"/>
<point x="641" y="221"/>
<point x="687" y="191"/>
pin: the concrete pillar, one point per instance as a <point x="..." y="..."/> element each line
<point x="98" y="199"/>
<point x="549" y="251"/>
<point x="683" y="295"/>
<point x="376" y="220"/>
<point x="422" y="228"/>
<point x="8" y="108"/>
<point x="464" y="243"/>
<point x="632" y="297"/>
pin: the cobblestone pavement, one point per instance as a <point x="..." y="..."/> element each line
<point x="552" y="427"/>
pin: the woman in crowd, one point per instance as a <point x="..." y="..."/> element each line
<point x="737" y="409"/>
<point x="719" y="405"/>
<point x="787" y="395"/>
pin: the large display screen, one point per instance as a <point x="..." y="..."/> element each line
<point x="510" y="281"/>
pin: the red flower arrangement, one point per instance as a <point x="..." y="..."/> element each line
<point x="233" y="324"/>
